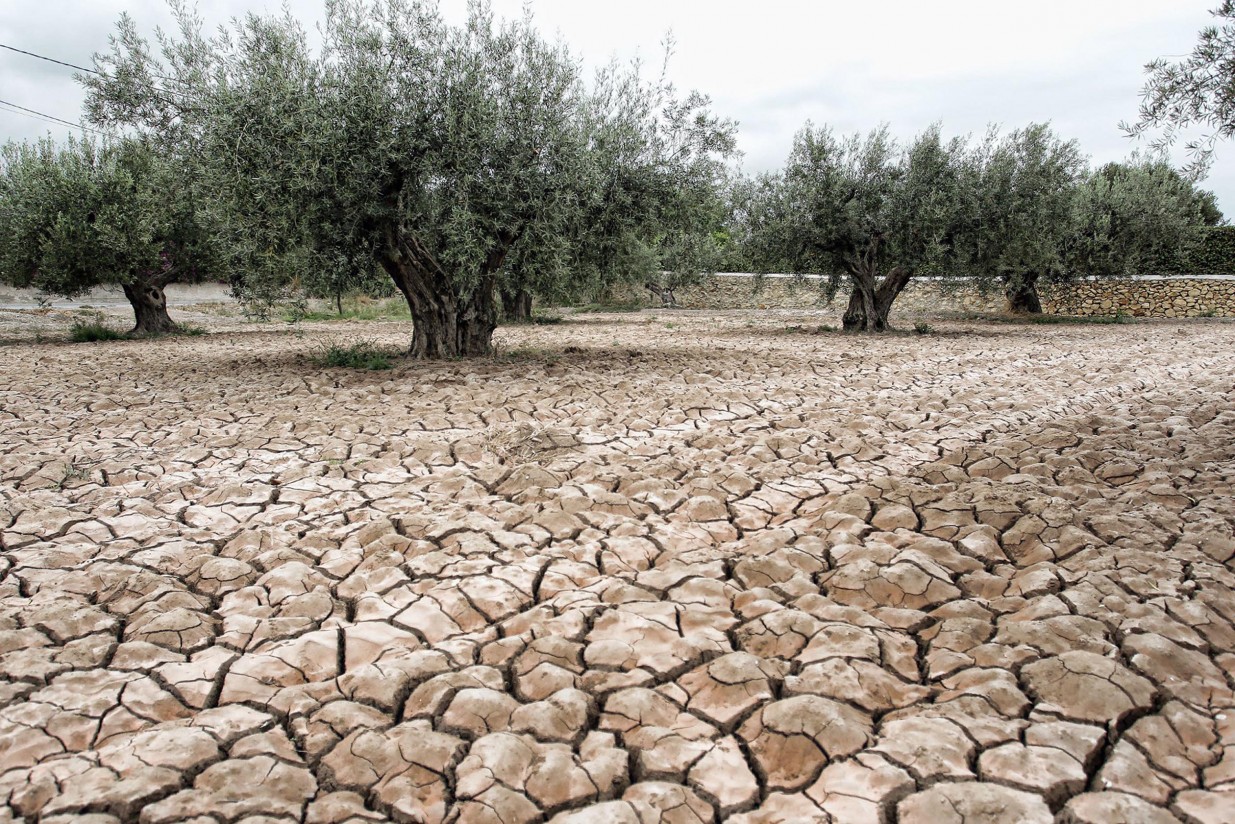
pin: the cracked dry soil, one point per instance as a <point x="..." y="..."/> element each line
<point x="637" y="573"/>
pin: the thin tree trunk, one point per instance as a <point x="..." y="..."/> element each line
<point x="1023" y="296"/>
<point x="149" y="309"/>
<point x="667" y="299"/>
<point x="516" y="305"/>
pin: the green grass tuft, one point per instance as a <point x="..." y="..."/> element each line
<point x="94" y="330"/>
<point x="616" y="306"/>
<point x="359" y="355"/>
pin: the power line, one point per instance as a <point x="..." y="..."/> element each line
<point x="49" y="117"/>
<point x="49" y="59"/>
<point x="96" y="71"/>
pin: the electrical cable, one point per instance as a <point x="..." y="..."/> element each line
<point x="48" y="59"/>
<point x="94" y="71"/>
<point x="16" y="109"/>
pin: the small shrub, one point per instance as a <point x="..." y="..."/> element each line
<point x="71" y="474"/>
<point x="923" y="328"/>
<point x="546" y="320"/>
<point x="359" y="355"/>
<point x="93" y="330"/>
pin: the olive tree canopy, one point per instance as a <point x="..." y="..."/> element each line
<point x="1135" y="217"/>
<point x="1023" y="216"/>
<point x="865" y="208"/>
<point x="458" y="159"/>
<point x="90" y="214"/>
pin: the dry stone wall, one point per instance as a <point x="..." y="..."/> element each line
<point x="1161" y="297"/>
<point x="1145" y="297"/>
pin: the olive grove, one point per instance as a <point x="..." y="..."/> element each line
<point x="1005" y="212"/>
<point x="466" y="162"/>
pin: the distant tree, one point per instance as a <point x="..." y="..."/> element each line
<point x="1042" y="215"/>
<point x="652" y="194"/>
<point x="461" y="160"/>
<point x="1197" y="90"/>
<point x="866" y="210"/>
<point x="1132" y="217"/>
<point x="86" y="214"/>
<point x="333" y="279"/>
<point x="1023" y="212"/>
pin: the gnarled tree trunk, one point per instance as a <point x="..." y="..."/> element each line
<point x="149" y="308"/>
<point x="516" y="305"/>
<point x="1023" y="296"/>
<point x="445" y="322"/>
<point x="870" y="301"/>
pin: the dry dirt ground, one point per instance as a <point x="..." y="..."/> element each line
<point x="638" y="568"/>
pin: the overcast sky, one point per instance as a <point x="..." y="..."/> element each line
<point x="771" y="65"/>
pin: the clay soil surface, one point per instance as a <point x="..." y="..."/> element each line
<point x="636" y="568"/>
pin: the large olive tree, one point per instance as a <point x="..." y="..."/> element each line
<point x="86" y="214"/>
<point x="865" y="209"/>
<point x="459" y="159"/>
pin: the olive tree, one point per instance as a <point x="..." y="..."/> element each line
<point x="85" y="214"/>
<point x="1132" y="217"/>
<point x="647" y="195"/>
<point x="459" y="159"/>
<point x="1023" y="218"/>
<point x="864" y="209"/>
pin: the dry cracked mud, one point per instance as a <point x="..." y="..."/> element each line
<point x="675" y="568"/>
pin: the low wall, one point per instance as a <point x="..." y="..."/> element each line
<point x="178" y="294"/>
<point x="1163" y="297"/>
<point x="1159" y="297"/>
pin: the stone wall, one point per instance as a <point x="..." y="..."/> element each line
<point x="1162" y="297"/>
<point x="1144" y="297"/>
